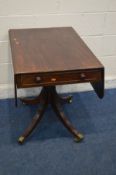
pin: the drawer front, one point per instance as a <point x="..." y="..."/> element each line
<point x="32" y="80"/>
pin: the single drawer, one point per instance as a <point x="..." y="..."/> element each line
<point x="32" y="80"/>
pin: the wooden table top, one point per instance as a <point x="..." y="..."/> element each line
<point x="57" y="49"/>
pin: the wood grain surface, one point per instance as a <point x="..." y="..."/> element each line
<point x="40" y="50"/>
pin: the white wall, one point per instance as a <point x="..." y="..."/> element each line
<point x="94" y="20"/>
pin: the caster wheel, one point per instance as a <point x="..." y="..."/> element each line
<point x="21" y="139"/>
<point x="79" y="138"/>
<point x="70" y="99"/>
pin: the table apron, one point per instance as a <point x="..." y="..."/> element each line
<point x="37" y="79"/>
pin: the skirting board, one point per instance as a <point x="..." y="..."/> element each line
<point x="7" y="91"/>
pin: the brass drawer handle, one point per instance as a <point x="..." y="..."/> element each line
<point x="38" y="79"/>
<point x="82" y="76"/>
<point x="53" y="79"/>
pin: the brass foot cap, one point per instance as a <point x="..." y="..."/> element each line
<point x="79" y="138"/>
<point x="70" y="101"/>
<point x="21" y="139"/>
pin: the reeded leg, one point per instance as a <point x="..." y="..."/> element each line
<point x="36" y="119"/>
<point x="35" y="100"/>
<point x="78" y="136"/>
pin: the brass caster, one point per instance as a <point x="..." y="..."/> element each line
<point x="70" y="100"/>
<point x="21" y="139"/>
<point x="79" y="138"/>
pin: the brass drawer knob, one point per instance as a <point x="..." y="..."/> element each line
<point x="53" y="79"/>
<point x="38" y="79"/>
<point x="82" y="76"/>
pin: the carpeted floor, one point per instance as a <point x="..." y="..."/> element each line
<point x="50" y="150"/>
